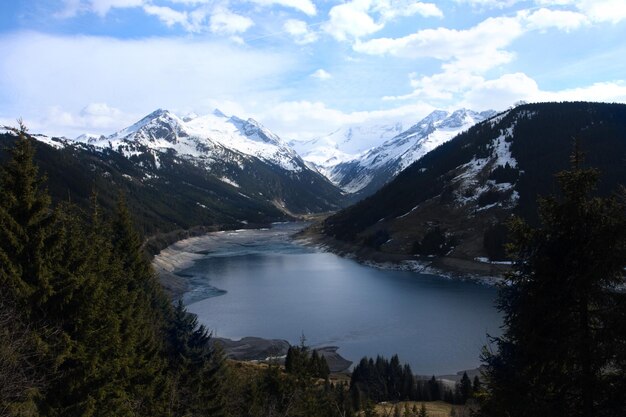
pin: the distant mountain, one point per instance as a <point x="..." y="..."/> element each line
<point x="345" y="144"/>
<point x="179" y="173"/>
<point x="455" y="200"/>
<point x="368" y="172"/>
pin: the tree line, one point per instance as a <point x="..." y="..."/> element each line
<point x="563" y="349"/>
<point x="381" y="379"/>
<point x="86" y="329"/>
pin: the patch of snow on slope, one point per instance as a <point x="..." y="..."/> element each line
<point x="469" y="183"/>
<point x="502" y="149"/>
<point x="54" y="142"/>
<point x="229" y="181"/>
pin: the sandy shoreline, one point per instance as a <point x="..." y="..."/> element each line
<point x="177" y="257"/>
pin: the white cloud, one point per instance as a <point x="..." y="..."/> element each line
<point x="561" y="19"/>
<point x="226" y="22"/>
<point x="506" y="90"/>
<point x="321" y="74"/>
<point x="190" y="2"/>
<point x="305" y="6"/>
<point x="482" y="45"/>
<point x="467" y="55"/>
<point x="70" y="9"/>
<point x="300" y="31"/>
<point x="98" y="117"/>
<point x="167" y="15"/>
<point x="609" y="91"/>
<point x="489" y="4"/>
<point x="391" y="9"/>
<point x="612" y="11"/>
<point x="351" y="20"/>
<point x="135" y="75"/>
<point x="502" y="92"/>
<point x="102" y="7"/>
<point x="308" y="119"/>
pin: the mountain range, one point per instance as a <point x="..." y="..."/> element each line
<point x="363" y="170"/>
<point x="455" y="201"/>
<point x="179" y="173"/>
<point x="227" y="170"/>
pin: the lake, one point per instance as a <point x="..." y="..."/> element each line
<point x="262" y="283"/>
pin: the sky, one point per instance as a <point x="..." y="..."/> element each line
<point x="303" y="68"/>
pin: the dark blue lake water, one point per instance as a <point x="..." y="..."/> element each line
<point x="261" y="283"/>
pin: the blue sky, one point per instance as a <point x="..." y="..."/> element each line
<point x="301" y="67"/>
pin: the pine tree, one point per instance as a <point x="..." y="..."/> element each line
<point x="28" y="246"/>
<point x="464" y="389"/>
<point x="141" y="306"/>
<point x="195" y="367"/>
<point x="476" y="385"/>
<point x="560" y="351"/>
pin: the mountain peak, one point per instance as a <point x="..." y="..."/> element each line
<point x="157" y="113"/>
<point x="190" y="116"/>
<point x="218" y="113"/>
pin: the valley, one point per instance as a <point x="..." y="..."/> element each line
<point x="240" y="283"/>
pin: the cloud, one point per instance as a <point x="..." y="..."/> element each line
<point x="321" y="74"/>
<point x="168" y="16"/>
<point x="305" y="6"/>
<point x="70" y="9"/>
<point x="102" y="7"/>
<point x="391" y="9"/>
<point x="481" y="47"/>
<point x="97" y="116"/>
<point x="467" y="55"/>
<point x="353" y="20"/>
<point x="612" y="11"/>
<point x="489" y="4"/>
<point x="300" y="31"/>
<point x="226" y="22"/>
<point x="305" y="119"/>
<point x="561" y="19"/>
<point x="135" y="75"/>
<point x="504" y="91"/>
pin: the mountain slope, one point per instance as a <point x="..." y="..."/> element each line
<point x="240" y="153"/>
<point x="345" y="144"/>
<point x="366" y="173"/>
<point x="179" y="173"/>
<point x="455" y="199"/>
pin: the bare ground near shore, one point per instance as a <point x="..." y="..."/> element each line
<point x="452" y="267"/>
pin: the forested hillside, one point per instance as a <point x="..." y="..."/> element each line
<point x="457" y="198"/>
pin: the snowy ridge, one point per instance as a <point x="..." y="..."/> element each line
<point x="345" y="144"/>
<point x="396" y="154"/>
<point x="204" y="138"/>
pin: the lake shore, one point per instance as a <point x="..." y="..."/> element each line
<point x="171" y="263"/>
<point x="444" y="266"/>
<point x="182" y="254"/>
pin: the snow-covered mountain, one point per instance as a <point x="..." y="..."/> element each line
<point x="224" y="159"/>
<point x="457" y="200"/>
<point x="345" y="144"/>
<point x="202" y="139"/>
<point x="370" y="170"/>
